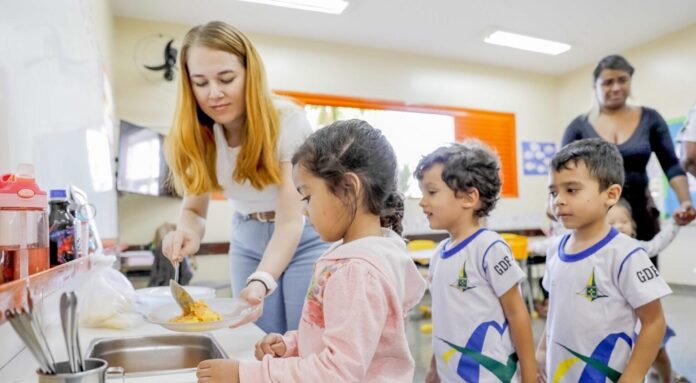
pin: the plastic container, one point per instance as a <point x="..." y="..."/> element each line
<point x="23" y="225"/>
<point x="61" y="229"/>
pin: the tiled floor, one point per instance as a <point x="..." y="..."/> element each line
<point x="680" y="311"/>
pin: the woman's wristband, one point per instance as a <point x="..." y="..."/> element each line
<point x="266" y="279"/>
<point x="261" y="282"/>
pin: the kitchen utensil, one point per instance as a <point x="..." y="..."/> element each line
<point x="95" y="371"/>
<point x="181" y="296"/>
<point x="176" y="271"/>
<point x="76" y="335"/>
<point x="67" y="316"/>
<point x="21" y="324"/>
<point x="38" y="329"/>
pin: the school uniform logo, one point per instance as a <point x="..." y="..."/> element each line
<point x="471" y="357"/>
<point x="462" y="282"/>
<point x="504" y="265"/>
<point x="591" y="292"/>
<point x="596" y="367"/>
<point x="647" y="274"/>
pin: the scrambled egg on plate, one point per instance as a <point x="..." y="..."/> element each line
<point x="199" y="313"/>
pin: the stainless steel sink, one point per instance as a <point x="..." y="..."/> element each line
<point x="156" y="354"/>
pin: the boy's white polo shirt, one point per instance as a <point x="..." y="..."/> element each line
<point x="592" y="300"/>
<point x="471" y="337"/>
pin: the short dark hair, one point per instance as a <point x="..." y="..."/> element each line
<point x="602" y="159"/>
<point x="617" y="62"/>
<point x="470" y="164"/>
<point x="355" y="146"/>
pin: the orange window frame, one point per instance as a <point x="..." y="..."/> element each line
<point x="497" y="129"/>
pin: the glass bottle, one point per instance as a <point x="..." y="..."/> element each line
<point x="61" y="228"/>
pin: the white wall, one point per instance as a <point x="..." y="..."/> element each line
<point x="664" y="79"/>
<point x="317" y="67"/>
<point x="54" y="96"/>
<point x="49" y="48"/>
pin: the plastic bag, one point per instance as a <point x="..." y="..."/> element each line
<point x="107" y="298"/>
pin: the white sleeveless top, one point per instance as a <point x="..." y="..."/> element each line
<point x="294" y="130"/>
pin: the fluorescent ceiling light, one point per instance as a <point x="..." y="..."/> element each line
<point x="527" y="43"/>
<point x="335" y="7"/>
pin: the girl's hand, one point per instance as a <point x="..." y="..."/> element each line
<point x="218" y="371"/>
<point x="271" y="344"/>
<point x="254" y="294"/>
<point x="685" y="214"/>
<point x="178" y="244"/>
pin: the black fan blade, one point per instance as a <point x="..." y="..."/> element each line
<point x="160" y="67"/>
<point x="169" y="51"/>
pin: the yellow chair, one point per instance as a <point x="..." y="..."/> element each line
<point x="518" y="244"/>
<point x="420" y="244"/>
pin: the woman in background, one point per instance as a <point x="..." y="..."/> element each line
<point x="637" y="131"/>
<point x="232" y="135"/>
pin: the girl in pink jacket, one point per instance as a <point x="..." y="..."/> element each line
<point x="353" y="321"/>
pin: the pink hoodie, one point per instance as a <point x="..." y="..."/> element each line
<point x="353" y="321"/>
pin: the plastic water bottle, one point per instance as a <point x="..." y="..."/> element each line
<point x="23" y="225"/>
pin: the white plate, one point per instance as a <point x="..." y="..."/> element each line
<point x="232" y="310"/>
<point x="151" y="297"/>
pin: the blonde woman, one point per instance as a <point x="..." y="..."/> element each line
<point x="232" y="135"/>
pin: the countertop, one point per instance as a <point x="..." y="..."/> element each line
<point x="238" y="344"/>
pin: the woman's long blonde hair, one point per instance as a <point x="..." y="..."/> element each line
<point x="190" y="146"/>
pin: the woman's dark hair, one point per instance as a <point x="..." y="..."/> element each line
<point x="356" y="147"/>
<point x="616" y="62"/>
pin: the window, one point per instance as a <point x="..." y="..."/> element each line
<point x="415" y="130"/>
<point x="410" y="134"/>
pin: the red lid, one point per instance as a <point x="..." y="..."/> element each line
<point x="21" y="191"/>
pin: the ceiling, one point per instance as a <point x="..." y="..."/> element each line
<point x="450" y="29"/>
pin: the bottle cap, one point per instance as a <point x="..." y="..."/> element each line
<point x="58" y="194"/>
<point x="20" y="190"/>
